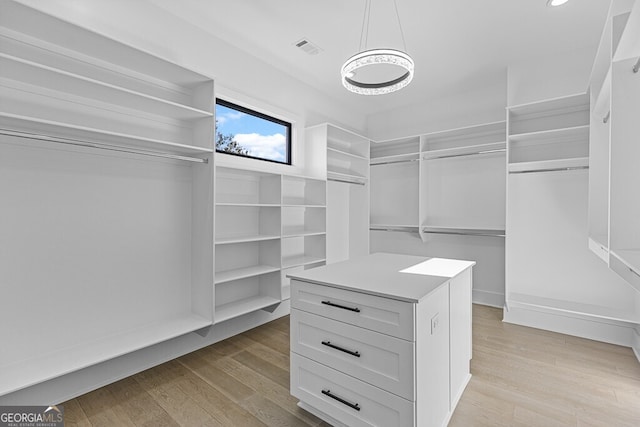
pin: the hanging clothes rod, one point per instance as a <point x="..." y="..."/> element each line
<point x="487" y="233"/>
<point x="397" y="228"/>
<point x="497" y="150"/>
<point x="395" y="161"/>
<point x="347" y="181"/>
<point x="571" y="168"/>
<point x="97" y="145"/>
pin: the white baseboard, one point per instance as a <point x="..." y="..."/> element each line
<point x="492" y="299"/>
<point x="580" y="325"/>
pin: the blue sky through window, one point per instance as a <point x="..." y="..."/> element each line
<point x="260" y="137"/>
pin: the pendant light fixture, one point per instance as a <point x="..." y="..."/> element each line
<point x="377" y="58"/>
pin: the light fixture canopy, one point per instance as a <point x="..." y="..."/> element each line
<point x="554" y="3"/>
<point x="376" y="58"/>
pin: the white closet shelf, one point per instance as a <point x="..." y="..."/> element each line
<point x="549" y="107"/>
<point x="242" y="307"/>
<point x="245" y="238"/>
<point x="342" y="153"/>
<point x="469" y="150"/>
<point x="334" y="172"/>
<point x="300" y="231"/>
<point x="243" y="273"/>
<point x="551" y="136"/>
<point x="630" y="257"/>
<point x="31" y="124"/>
<point x="556" y="305"/>
<point x="394" y="227"/>
<point x="24" y="71"/>
<point x="296" y="261"/>
<point x="46" y="366"/>
<point x="254" y="205"/>
<point x="549" y="165"/>
<point x="598" y="245"/>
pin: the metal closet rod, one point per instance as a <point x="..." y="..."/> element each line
<point x="497" y="150"/>
<point x="345" y="181"/>
<point x="464" y="233"/>
<point x="395" y="161"/>
<point x="97" y="145"/>
<point x="406" y="229"/>
<point x="571" y="168"/>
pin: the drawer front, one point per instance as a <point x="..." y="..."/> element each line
<point x="345" y="398"/>
<point x="388" y="316"/>
<point x="381" y="360"/>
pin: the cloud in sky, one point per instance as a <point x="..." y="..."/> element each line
<point x="227" y="116"/>
<point x="266" y="146"/>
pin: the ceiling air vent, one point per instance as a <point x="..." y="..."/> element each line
<point x="307" y="47"/>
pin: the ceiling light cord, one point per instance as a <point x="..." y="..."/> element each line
<point x="364" y="33"/>
<point x="404" y="43"/>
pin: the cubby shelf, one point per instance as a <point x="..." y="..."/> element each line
<point x="335" y="151"/>
<point x="300" y="231"/>
<point x="245" y="238"/>
<point x="243" y="273"/>
<point x="48" y="365"/>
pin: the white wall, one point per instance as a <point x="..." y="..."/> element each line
<point x="549" y="77"/>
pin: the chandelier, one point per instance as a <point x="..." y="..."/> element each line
<point x="377" y="58"/>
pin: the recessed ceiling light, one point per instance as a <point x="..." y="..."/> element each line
<point x="556" y="2"/>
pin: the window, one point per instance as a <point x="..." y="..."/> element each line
<point x="243" y="132"/>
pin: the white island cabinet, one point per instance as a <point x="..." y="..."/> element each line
<point x="382" y="340"/>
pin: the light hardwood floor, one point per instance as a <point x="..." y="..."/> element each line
<point x="521" y="377"/>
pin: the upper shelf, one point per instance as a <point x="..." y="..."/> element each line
<point x="66" y="83"/>
<point x="471" y="150"/>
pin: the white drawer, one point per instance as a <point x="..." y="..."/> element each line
<point x="388" y="316"/>
<point x="375" y="358"/>
<point x="347" y="399"/>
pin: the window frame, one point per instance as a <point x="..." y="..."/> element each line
<point x="288" y="126"/>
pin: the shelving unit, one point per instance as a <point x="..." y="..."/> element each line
<point x="106" y="165"/>
<point x="347" y="198"/>
<point x="395" y="169"/>
<point x="264" y="222"/>
<point x="547" y="199"/>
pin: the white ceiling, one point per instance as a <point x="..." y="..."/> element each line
<point x="457" y="45"/>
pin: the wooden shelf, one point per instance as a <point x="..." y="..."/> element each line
<point x="41" y="367"/>
<point x="242" y="307"/>
<point x="548" y="165"/>
<point x="243" y="273"/>
<point x="71" y="84"/>
<point x="31" y="124"/>
<point x="517" y="299"/>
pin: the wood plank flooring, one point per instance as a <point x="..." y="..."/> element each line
<point x="521" y="377"/>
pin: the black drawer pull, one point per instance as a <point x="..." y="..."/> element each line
<point x="344" y="307"/>
<point x="353" y="353"/>
<point x="341" y="400"/>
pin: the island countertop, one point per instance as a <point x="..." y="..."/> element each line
<point x="403" y="277"/>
